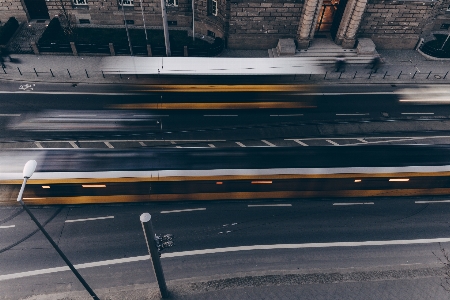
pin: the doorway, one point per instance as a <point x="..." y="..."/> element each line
<point x="330" y="17"/>
<point x="37" y="9"/>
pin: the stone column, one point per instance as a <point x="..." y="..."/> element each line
<point x="350" y="23"/>
<point x="307" y="25"/>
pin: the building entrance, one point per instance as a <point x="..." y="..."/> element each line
<point x="330" y="17"/>
<point x="37" y="9"/>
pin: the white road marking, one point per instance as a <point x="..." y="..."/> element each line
<point x="150" y="115"/>
<point x="268" y="205"/>
<point x="418" y="113"/>
<point x="211" y="145"/>
<point x="73" y="145"/>
<point x="292" y="115"/>
<point x="300" y="142"/>
<point x="362" y="140"/>
<point x="268" y="143"/>
<point x="220" y="115"/>
<point x="432" y="201"/>
<point x="181" y="210"/>
<point x="7" y="226"/>
<point x="38" y="144"/>
<point x="240" y="144"/>
<point x="9" y="115"/>
<point x="71" y="116"/>
<point x="352" y="114"/>
<point x="108" y="144"/>
<point x="142" y="144"/>
<point x="355" y="203"/>
<point x="223" y="250"/>
<point x="89" y="219"/>
<point x="333" y="143"/>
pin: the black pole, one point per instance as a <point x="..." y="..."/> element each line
<point x="49" y="238"/>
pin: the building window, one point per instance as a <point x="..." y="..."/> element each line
<point x="79" y="2"/>
<point x="126" y="3"/>
<point x="173" y="3"/>
<point x="211" y="33"/>
<point x="212" y="7"/>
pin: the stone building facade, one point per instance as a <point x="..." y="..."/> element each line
<point x="259" y="24"/>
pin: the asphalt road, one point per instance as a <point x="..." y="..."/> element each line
<point x="114" y="232"/>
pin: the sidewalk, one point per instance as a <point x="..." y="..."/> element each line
<point x="406" y="283"/>
<point x="401" y="66"/>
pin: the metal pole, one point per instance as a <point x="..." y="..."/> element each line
<point x="154" y="254"/>
<point x="66" y="260"/>
<point x="143" y="20"/>
<point x="193" y="22"/>
<point x="165" y="26"/>
<point x="126" y="28"/>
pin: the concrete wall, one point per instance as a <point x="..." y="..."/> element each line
<point x="12" y="8"/>
<point x="395" y="25"/>
<point x="259" y="25"/>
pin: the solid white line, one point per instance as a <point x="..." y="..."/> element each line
<point x="108" y="145"/>
<point x="293" y="115"/>
<point x="211" y="145"/>
<point x="333" y="143"/>
<point x="70" y="116"/>
<point x="300" y="142"/>
<point x="7" y="226"/>
<point x="417" y="113"/>
<point x="220" y="115"/>
<point x="38" y="144"/>
<point x="432" y="201"/>
<point x="73" y="144"/>
<point x="9" y="115"/>
<point x="240" y="144"/>
<point x="181" y="210"/>
<point x="360" y="203"/>
<point x="142" y="144"/>
<point x="268" y="143"/>
<point x="89" y="219"/>
<point x="268" y="205"/>
<point x="224" y="250"/>
<point x="352" y="114"/>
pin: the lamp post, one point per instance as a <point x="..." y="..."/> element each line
<point x="28" y="171"/>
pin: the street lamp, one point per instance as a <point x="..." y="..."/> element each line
<point x="28" y="171"/>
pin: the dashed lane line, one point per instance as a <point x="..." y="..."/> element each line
<point x="268" y="143"/>
<point x="240" y="144"/>
<point x="354" y="203"/>
<point x="432" y="201"/>
<point x="268" y="205"/>
<point x="418" y="113"/>
<point x="89" y="219"/>
<point x="181" y="210"/>
<point x="10" y="115"/>
<point x="7" y="226"/>
<point x="224" y="250"/>
<point x="142" y="144"/>
<point x="211" y="145"/>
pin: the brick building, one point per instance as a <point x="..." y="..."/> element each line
<point x="258" y="24"/>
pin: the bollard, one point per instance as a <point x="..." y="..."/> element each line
<point x="355" y="74"/>
<point x="310" y="76"/>
<point x="149" y="235"/>
<point x="429" y="74"/>
<point x="19" y="71"/>
<point x="325" y="77"/>
<point x="86" y="73"/>
<point x="120" y="75"/>
<point x="445" y="75"/>
<point x="52" y="73"/>
<point x="398" y="77"/>
<point x="3" y="67"/>
<point x="35" y="72"/>
<point x="103" y="74"/>
<point x="370" y="75"/>
<point x="385" y="75"/>
<point x="340" y="75"/>
<point x="69" y="73"/>
<point x="414" y="74"/>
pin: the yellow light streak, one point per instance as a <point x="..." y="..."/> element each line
<point x="45" y="186"/>
<point x="262" y="182"/>
<point x="399" y="179"/>
<point x="94" y="185"/>
<point x="357" y="180"/>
